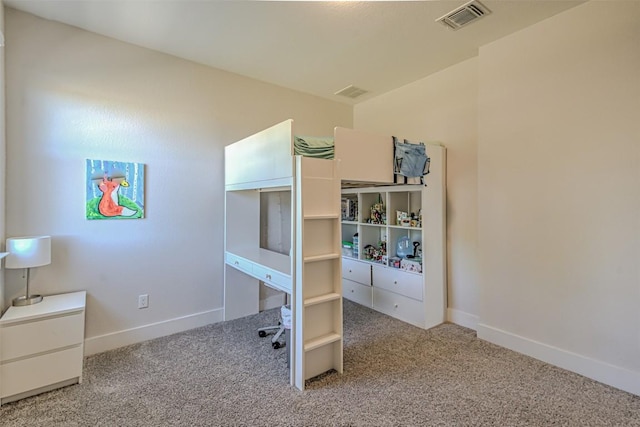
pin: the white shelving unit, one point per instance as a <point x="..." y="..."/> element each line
<point x="309" y="269"/>
<point x="370" y="276"/>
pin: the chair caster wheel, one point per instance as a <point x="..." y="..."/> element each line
<point x="262" y="334"/>
<point x="275" y="345"/>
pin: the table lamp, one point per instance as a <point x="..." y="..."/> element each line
<point x="28" y="252"/>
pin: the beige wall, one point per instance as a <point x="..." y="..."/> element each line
<point x="442" y="108"/>
<point x="544" y="235"/>
<point x="559" y="191"/>
<point x="73" y="95"/>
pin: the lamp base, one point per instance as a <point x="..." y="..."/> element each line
<point x="27" y="300"/>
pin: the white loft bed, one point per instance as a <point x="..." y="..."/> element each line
<point x="309" y="267"/>
<point x="266" y="161"/>
<point x="310" y="270"/>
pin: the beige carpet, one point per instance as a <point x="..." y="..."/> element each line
<point x="395" y="375"/>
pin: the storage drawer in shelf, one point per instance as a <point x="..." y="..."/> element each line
<point x="272" y="277"/>
<point x="239" y="263"/>
<point x="398" y="306"/>
<point x="33" y="373"/>
<point x="33" y="337"/>
<point x="357" y="292"/>
<point x="400" y="282"/>
<point x="357" y="271"/>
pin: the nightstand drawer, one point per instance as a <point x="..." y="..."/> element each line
<point x="35" y="372"/>
<point x="357" y="271"/>
<point x="45" y="334"/>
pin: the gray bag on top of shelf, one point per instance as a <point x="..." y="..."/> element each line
<point x="410" y="160"/>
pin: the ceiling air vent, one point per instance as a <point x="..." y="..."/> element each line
<point x="464" y="15"/>
<point x="351" y="92"/>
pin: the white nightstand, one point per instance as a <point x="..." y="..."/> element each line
<point x="42" y="346"/>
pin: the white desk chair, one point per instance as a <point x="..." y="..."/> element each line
<point x="262" y="332"/>
<point x="284" y="323"/>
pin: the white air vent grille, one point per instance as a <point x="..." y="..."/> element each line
<point x="464" y="15"/>
<point x="351" y="92"/>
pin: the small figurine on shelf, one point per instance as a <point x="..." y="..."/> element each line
<point x="355" y="245"/>
<point x="414" y="220"/>
<point x="368" y="252"/>
<point x="376" y="254"/>
<point x="378" y="215"/>
<point x="400" y="215"/>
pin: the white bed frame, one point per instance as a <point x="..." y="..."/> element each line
<point x="265" y="158"/>
<point x="311" y="272"/>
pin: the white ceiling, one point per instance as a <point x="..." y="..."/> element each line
<point x="316" y="47"/>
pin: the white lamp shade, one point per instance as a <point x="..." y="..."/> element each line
<point x="27" y="252"/>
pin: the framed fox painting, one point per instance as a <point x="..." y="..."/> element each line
<point x="115" y="190"/>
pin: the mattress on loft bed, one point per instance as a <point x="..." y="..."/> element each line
<point x="314" y="146"/>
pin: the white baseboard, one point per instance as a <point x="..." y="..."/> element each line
<point x="603" y="372"/>
<point x="463" y="319"/>
<point x="118" y="339"/>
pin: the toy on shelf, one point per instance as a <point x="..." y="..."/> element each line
<point x="349" y="209"/>
<point x="406" y="219"/>
<point x="378" y="214"/>
<point x="376" y="253"/>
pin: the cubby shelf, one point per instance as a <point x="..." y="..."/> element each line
<point x="399" y="227"/>
<point x="380" y="275"/>
<point x="368" y="224"/>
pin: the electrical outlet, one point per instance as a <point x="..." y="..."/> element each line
<point x="143" y="301"/>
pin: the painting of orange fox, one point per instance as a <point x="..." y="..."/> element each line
<point x="115" y="190"/>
